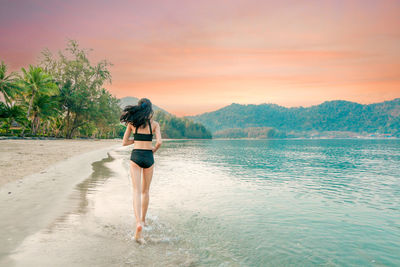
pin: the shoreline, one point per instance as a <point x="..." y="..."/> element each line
<point x="310" y="138"/>
<point x="32" y="202"/>
<point x="23" y="157"/>
<point x="7" y="137"/>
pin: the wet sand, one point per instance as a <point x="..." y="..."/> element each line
<point x="29" y="203"/>
<point x="79" y="213"/>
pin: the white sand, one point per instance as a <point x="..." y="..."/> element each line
<point x="19" y="158"/>
<point x="30" y="202"/>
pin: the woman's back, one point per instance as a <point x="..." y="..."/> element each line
<point x="143" y="136"/>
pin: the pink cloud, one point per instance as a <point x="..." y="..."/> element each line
<point x="205" y="53"/>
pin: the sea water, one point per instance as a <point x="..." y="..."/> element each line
<point x="236" y="203"/>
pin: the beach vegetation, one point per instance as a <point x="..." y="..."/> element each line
<point x="8" y="87"/>
<point x="82" y="95"/>
<point x="37" y="86"/>
<point x="64" y="96"/>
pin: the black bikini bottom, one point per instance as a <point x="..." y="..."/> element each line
<point x="142" y="157"/>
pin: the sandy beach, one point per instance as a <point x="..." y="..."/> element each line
<point x="37" y="176"/>
<point x="19" y="158"/>
<point x="78" y="212"/>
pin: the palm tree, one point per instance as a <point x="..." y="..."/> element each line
<point x="44" y="107"/>
<point x="11" y="114"/>
<point x="8" y="86"/>
<point x="35" y="82"/>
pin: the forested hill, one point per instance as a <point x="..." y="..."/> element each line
<point x="171" y="126"/>
<point x="329" y="116"/>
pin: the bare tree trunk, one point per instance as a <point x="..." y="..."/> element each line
<point x="28" y="113"/>
<point x="35" y="124"/>
<point x="47" y="128"/>
<point x="70" y="128"/>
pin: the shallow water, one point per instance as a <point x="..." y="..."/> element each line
<point x="236" y="203"/>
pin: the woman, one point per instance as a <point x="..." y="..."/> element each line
<point x="138" y="119"/>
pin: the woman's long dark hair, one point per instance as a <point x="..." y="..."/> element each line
<point x="138" y="114"/>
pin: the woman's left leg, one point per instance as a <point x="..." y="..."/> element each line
<point x="147" y="176"/>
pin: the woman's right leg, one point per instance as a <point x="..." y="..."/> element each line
<point x="137" y="188"/>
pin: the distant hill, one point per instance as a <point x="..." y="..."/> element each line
<point x="339" y="115"/>
<point x="130" y="100"/>
<point x="171" y="126"/>
<point x="250" y="132"/>
<point x="177" y="128"/>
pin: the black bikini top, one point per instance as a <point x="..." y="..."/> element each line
<point x="143" y="137"/>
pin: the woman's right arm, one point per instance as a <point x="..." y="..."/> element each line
<point x="125" y="140"/>
<point x="158" y="137"/>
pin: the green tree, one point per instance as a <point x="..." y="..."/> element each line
<point x="36" y="82"/>
<point x="174" y="127"/>
<point x="11" y="113"/>
<point x="80" y="83"/>
<point x="8" y="86"/>
<point x="105" y="114"/>
<point x="44" y="108"/>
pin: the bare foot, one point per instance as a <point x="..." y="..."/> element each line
<point x="144" y="223"/>
<point x="138" y="232"/>
<point x="141" y="241"/>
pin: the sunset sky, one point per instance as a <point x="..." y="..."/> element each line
<point x="191" y="57"/>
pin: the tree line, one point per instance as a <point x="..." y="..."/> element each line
<point x="339" y="115"/>
<point x="63" y="96"/>
<point x="177" y="128"/>
<point x="250" y="132"/>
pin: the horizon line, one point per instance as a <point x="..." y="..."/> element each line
<point x="265" y="103"/>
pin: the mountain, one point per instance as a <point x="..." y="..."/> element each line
<point x="171" y="126"/>
<point x="130" y="100"/>
<point x="338" y="115"/>
<point x="177" y="128"/>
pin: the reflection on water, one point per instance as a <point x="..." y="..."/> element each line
<point x="236" y="203"/>
<point x="99" y="228"/>
<point x="82" y="190"/>
<point x="100" y="174"/>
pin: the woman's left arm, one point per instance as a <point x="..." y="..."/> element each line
<point x="125" y="140"/>
<point x="158" y="137"/>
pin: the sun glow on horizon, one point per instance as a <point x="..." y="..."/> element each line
<point x="195" y="57"/>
